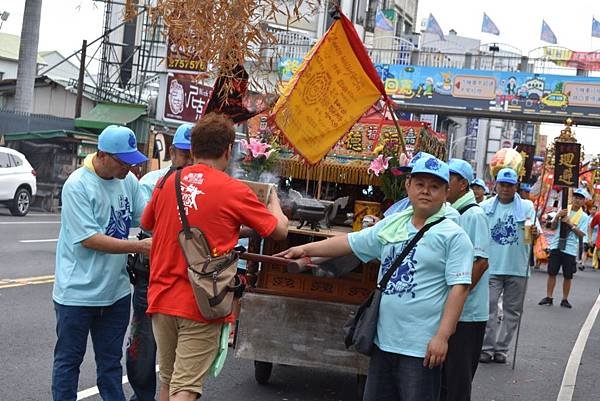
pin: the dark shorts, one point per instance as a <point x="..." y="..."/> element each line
<point x="560" y="259"/>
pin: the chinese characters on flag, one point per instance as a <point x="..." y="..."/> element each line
<point x="566" y="164"/>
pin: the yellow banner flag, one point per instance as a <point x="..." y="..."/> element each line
<point x="335" y="85"/>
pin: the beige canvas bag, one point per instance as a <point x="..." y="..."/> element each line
<point x="213" y="279"/>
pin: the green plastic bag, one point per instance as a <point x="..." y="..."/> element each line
<point x="219" y="360"/>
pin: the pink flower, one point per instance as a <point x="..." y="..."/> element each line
<point x="378" y="165"/>
<point x="256" y="148"/>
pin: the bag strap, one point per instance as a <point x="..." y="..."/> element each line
<point x="465" y="208"/>
<point x="184" y="221"/>
<point x="162" y="181"/>
<point x="388" y="275"/>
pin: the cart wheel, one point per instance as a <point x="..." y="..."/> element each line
<point x="262" y="371"/>
<point x="361" y="381"/>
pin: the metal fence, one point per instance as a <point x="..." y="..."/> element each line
<point x="11" y="121"/>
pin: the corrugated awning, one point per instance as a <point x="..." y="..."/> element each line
<point x="105" y="114"/>
<point x="42" y="135"/>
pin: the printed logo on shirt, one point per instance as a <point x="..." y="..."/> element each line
<point x="504" y="232"/>
<point x="120" y="219"/>
<point x="189" y="193"/>
<point x="403" y="280"/>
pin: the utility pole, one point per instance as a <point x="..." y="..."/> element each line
<point x="79" y="99"/>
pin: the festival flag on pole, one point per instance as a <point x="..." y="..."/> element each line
<point x="334" y="86"/>
<point x="547" y="35"/>
<point x="595" y="28"/>
<point x="488" y="25"/>
<point x="434" y="27"/>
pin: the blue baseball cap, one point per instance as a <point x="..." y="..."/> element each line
<point x="481" y="183"/>
<point x="582" y="192"/>
<point x="432" y="166"/>
<point x="418" y="156"/>
<point x="525" y="187"/>
<point x="462" y="168"/>
<point x="183" y="137"/>
<point x="507" y="175"/>
<point x="120" y="142"/>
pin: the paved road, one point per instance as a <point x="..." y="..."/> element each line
<point x="27" y="333"/>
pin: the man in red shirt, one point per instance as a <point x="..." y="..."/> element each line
<point x="218" y="205"/>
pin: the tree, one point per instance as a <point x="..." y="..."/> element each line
<point x="27" y="71"/>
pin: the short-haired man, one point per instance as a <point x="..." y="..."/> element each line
<point x="100" y="202"/>
<point x="563" y="252"/>
<point x="464" y="347"/>
<point x="479" y="189"/>
<point x="141" y="347"/>
<point x="424" y="298"/>
<point x="218" y="205"/>
<point x="507" y="214"/>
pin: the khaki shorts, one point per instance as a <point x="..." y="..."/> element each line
<point x="186" y="350"/>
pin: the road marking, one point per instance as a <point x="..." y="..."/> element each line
<point x="20" y="282"/>
<point x="29" y="222"/>
<point x="88" y="392"/>
<point x="567" y="386"/>
<point x="33" y="241"/>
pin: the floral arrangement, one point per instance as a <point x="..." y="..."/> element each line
<point x="261" y="157"/>
<point x="388" y="166"/>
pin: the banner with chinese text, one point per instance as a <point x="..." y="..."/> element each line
<point x="566" y="164"/>
<point x="527" y="153"/>
<point x="330" y="91"/>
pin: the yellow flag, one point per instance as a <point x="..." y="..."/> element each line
<point x="335" y="85"/>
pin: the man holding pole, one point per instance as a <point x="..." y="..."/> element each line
<point x="512" y="228"/>
<point x="563" y="253"/>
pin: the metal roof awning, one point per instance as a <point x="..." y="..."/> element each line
<point x="105" y="114"/>
<point x="43" y="135"/>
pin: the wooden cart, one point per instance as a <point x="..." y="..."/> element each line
<point x="297" y="319"/>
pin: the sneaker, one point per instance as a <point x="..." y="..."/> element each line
<point x="565" y="304"/>
<point x="546" y="301"/>
<point x="499" y="358"/>
<point x="485" y="357"/>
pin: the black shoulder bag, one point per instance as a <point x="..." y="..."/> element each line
<point x="465" y="208"/>
<point x="361" y="328"/>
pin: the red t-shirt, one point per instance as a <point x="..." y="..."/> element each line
<point x="215" y="203"/>
<point x="596" y="221"/>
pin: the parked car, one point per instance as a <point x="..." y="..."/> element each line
<point x="17" y="181"/>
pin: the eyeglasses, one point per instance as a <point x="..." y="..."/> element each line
<point x="121" y="163"/>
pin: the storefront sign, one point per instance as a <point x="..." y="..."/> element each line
<point x="186" y="99"/>
<point x="179" y="58"/>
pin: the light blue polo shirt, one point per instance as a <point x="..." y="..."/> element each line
<point x="92" y="205"/>
<point x="149" y="181"/>
<point x="572" y="246"/>
<point x="475" y="224"/>
<point x="508" y="253"/>
<point x="413" y="302"/>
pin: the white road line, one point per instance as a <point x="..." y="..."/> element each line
<point x="567" y="386"/>
<point x="28" y="222"/>
<point x="33" y="241"/>
<point x="88" y="392"/>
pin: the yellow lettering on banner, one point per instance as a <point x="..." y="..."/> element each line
<point x="325" y="97"/>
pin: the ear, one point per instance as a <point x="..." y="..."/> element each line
<point x="407" y="182"/>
